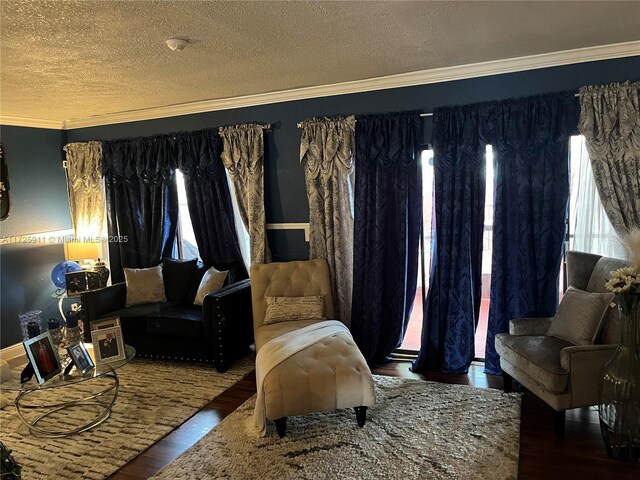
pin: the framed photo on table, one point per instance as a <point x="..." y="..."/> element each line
<point x="43" y="356"/>
<point x="105" y="323"/>
<point x="80" y="356"/>
<point x="108" y="345"/>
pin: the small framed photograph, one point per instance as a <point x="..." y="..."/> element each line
<point x="76" y="282"/>
<point x="43" y="356"/>
<point x="80" y="356"/>
<point x="105" y="323"/>
<point x="108" y="345"/>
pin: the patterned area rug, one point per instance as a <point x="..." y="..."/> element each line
<point x="154" y="398"/>
<point x="417" y="430"/>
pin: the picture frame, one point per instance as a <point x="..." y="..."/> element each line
<point x="76" y="282"/>
<point x="108" y="345"/>
<point x="105" y="323"/>
<point x="43" y="356"/>
<point x="80" y="357"/>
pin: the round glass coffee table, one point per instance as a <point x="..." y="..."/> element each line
<point x="37" y="403"/>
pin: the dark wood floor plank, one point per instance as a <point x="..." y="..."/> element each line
<point x="581" y="455"/>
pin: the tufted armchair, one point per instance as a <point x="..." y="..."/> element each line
<point x="562" y="374"/>
<point x="327" y="375"/>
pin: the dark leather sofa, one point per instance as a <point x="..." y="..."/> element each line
<point x="220" y="331"/>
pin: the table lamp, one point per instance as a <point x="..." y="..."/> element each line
<point x="84" y="253"/>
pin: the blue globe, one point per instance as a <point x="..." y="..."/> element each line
<point x="57" y="274"/>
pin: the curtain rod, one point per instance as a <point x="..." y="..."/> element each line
<point x="430" y="114"/>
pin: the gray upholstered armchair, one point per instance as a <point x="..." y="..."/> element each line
<point x="561" y="373"/>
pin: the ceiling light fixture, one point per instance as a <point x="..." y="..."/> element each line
<point x="176" y="44"/>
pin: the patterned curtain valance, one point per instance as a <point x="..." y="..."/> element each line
<point x="388" y="140"/>
<point x="155" y="158"/>
<point x="529" y="121"/>
<point x="456" y="131"/>
<point x="327" y="143"/>
<point x="143" y="158"/>
<point x="610" y="118"/>
<point x="198" y="153"/>
<point x="243" y="147"/>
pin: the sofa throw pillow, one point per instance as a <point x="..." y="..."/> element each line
<point x="144" y="285"/>
<point x="285" y="309"/>
<point x="211" y="281"/>
<point x="177" y="275"/>
<point x="580" y="316"/>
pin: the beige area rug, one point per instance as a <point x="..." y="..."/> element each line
<point x="154" y="398"/>
<point x="417" y="430"/>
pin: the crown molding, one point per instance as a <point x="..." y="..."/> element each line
<point x="31" y="122"/>
<point x="421" y="77"/>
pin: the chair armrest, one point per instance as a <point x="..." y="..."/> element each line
<point x="97" y="303"/>
<point x="591" y="358"/>
<point x="585" y="364"/>
<point x="529" y="326"/>
<point x="228" y="322"/>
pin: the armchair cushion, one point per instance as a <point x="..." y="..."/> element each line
<point x="538" y="356"/>
<point x="602" y="273"/>
<point x="284" y="309"/>
<point x="212" y="281"/>
<point x="529" y="326"/>
<point x="580" y="316"/>
<point x="177" y="321"/>
<point x="177" y="276"/>
<point x="144" y="285"/>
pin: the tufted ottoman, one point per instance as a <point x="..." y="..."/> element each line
<point x="329" y="373"/>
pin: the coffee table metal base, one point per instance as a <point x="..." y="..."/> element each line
<point x="102" y="401"/>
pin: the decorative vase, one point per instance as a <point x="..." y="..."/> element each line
<point x="34" y="316"/>
<point x="619" y="408"/>
<point x="103" y="272"/>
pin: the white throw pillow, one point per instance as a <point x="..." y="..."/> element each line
<point x="144" y="285"/>
<point x="580" y="316"/>
<point x="211" y="281"/>
<point x="285" y="309"/>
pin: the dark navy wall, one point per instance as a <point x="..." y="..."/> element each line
<point x="285" y="196"/>
<point x="38" y="204"/>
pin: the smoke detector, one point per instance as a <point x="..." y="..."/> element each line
<point x="176" y="44"/>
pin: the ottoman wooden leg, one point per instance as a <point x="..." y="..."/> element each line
<point x="361" y="415"/>
<point x="281" y="426"/>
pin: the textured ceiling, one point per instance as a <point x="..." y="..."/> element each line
<point x="75" y="59"/>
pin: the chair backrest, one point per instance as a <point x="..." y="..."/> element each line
<point x="590" y="272"/>
<point x="289" y="279"/>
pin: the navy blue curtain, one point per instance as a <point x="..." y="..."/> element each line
<point x="142" y="203"/>
<point x="197" y="155"/>
<point x="388" y="208"/>
<point x="452" y="305"/>
<point x="531" y="153"/>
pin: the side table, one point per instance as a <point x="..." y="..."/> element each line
<point x="30" y="397"/>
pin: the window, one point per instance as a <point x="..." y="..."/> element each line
<point x="412" y="337"/>
<point x="186" y="246"/>
<point x="589" y="227"/>
<point x="414" y="328"/>
<point x="589" y="230"/>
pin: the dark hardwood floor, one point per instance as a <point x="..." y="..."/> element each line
<point x="580" y="455"/>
